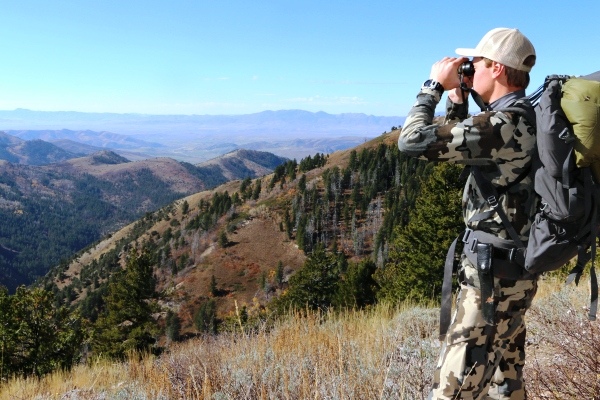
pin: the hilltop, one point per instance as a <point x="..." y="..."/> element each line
<point x="79" y="200"/>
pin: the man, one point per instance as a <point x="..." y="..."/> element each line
<point x="482" y="356"/>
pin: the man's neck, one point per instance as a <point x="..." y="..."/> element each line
<point x="507" y="100"/>
<point x="501" y="90"/>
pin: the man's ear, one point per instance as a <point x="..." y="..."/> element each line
<point x="497" y="69"/>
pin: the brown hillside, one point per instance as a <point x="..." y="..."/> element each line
<point x="168" y="170"/>
<point x="256" y="245"/>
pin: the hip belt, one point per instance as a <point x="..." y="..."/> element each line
<point x="493" y="257"/>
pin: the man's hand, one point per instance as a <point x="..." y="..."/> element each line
<point x="446" y="72"/>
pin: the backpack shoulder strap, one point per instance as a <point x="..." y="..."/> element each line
<point x="490" y="194"/>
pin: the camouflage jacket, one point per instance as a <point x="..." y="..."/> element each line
<point x="501" y="143"/>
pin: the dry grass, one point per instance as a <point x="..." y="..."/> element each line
<point x="375" y="354"/>
<point x="564" y="346"/>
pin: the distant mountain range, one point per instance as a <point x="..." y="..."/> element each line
<point x="197" y="138"/>
<point x="98" y="139"/>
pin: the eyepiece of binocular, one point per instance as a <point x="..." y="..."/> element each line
<point x="466" y="69"/>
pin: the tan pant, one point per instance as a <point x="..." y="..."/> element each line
<point x="481" y="361"/>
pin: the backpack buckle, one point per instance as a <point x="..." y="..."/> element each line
<point x="512" y="254"/>
<point x="467" y="235"/>
<point x="465" y="239"/>
<point x="492" y="201"/>
<point x="473" y="247"/>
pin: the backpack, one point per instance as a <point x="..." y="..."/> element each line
<point x="565" y="171"/>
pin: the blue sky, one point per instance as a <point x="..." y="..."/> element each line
<point x="240" y="57"/>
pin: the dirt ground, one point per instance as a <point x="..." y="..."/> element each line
<point x="254" y="248"/>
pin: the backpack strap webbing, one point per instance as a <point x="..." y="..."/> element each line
<point x="502" y="190"/>
<point x="489" y="192"/>
<point x="446" y="305"/>
<point x="592" y="195"/>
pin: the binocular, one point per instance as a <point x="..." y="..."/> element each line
<point x="466" y="69"/>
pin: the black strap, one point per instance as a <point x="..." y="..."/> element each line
<point x="476" y="97"/>
<point x="490" y="193"/>
<point x="592" y="195"/>
<point x="446" y="306"/>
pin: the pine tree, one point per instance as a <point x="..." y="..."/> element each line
<point x="223" y="240"/>
<point x="417" y="258"/>
<point x="213" y="286"/>
<point x="279" y="273"/>
<point x="256" y="191"/>
<point x="205" y="317"/>
<point x="315" y="284"/>
<point x="302" y="183"/>
<point x="127" y="324"/>
<point x="358" y="288"/>
<point x="37" y="338"/>
<point x="173" y="325"/>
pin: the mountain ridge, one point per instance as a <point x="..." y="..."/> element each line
<point x="51" y="211"/>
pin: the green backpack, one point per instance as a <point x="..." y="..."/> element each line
<point x="581" y="105"/>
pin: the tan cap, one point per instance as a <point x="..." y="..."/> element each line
<point x="506" y="46"/>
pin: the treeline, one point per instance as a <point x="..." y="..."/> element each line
<point x="397" y="213"/>
<point x="38" y="231"/>
<point x="355" y="209"/>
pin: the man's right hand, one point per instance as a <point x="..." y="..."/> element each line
<point x="445" y="72"/>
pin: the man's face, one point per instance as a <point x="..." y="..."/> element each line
<point x="482" y="80"/>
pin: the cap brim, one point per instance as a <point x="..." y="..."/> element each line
<point x="467" y="52"/>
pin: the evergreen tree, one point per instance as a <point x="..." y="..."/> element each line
<point x="315" y="284"/>
<point x="302" y="183"/>
<point x="185" y="207"/>
<point x="256" y="191"/>
<point x="279" y="273"/>
<point x="358" y="288"/>
<point x="418" y="253"/>
<point x="287" y="223"/>
<point x="223" y="240"/>
<point x="301" y="233"/>
<point x="173" y="326"/>
<point x="205" y="317"/>
<point x="127" y="324"/>
<point x="37" y="338"/>
<point x="213" y="286"/>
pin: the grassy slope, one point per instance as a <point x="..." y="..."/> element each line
<point x="373" y="354"/>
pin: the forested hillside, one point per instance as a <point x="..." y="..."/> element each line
<point x="31" y="152"/>
<point x="51" y="212"/>
<point x="330" y="232"/>
<point x="360" y="219"/>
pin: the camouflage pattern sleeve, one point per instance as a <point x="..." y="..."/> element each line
<point x="456" y="111"/>
<point x="501" y="142"/>
<point x="476" y="140"/>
